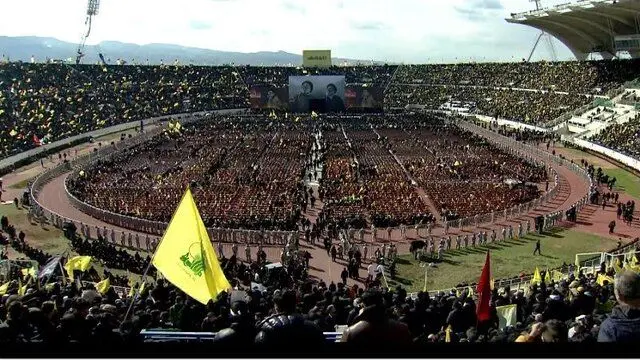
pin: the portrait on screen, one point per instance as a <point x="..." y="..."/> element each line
<point x="269" y="97"/>
<point x="321" y="94"/>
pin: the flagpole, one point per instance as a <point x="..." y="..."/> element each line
<point x="146" y="271"/>
<point x="135" y="295"/>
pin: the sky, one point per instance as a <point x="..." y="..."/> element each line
<point x="404" y="31"/>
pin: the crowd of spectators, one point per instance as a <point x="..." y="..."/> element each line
<point x="48" y="102"/>
<point x="245" y="172"/>
<point x="277" y="311"/>
<point x="56" y="101"/>
<point x="624" y="138"/>
<point x="252" y="176"/>
<point x="576" y="77"/>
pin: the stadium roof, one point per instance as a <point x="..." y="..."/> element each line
<point x="588" y="26"/>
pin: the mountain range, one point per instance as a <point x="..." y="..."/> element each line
<point x="22" y="48"/>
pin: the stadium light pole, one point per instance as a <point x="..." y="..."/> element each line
<point x="92" y="10"/>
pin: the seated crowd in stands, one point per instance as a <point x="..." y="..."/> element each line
<point x="49" y="102"/>
<point x="624" y="138"/>
<point x="244" y="173"/>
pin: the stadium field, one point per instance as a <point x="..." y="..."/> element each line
<point x="508" y="259"/>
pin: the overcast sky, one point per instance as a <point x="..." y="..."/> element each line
<point x="410" y="31"/>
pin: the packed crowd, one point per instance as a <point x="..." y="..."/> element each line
<point x="252" y="176"/>
<point x="577" y="77"/>
<point x="624" y="138"/>
<point x="56" y="101"/>
<point x="48" y="102"/>
<point x="244" y="172"/>
<point x="276" y="309"/>
<point x="534" y="107"/>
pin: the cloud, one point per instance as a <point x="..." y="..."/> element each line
<point x="407" y="31"/>
<point x="201" y="25"/>
<point x="367" y="26"/>
<point x="478" y="10"/>
<point x="292" y="6"/>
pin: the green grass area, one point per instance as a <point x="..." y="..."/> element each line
<point x="22" y="184"/>
<point x="49" y="238"/>
<point x="508" y="259"/>
<point x="625" y="181"/>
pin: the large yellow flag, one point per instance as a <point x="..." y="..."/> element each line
<point x="537" y="279"/>
<point x="77" y="263"/>
<point x="185" y="255"/>
<point x="507" y="315"/>
<point x="601" y="278"/>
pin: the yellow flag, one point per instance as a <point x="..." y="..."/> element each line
<point x="537" y="279"/>
<point x="132" y="292"/>
<point x="507" y="315"/>
<point x="447" y="335"/>
<point x="601" y="278"/>
<point x="186" y="257"/>
<point x="103" y="286"/>
<point x="615" y="262"/>
<point x="4" y="288"/>
<point x="557" y="276"/>
<point x="142" y="287"/>
<point x="77" y="263"/>
<point x="22" y="289"/>
<point x="28" y="271"/>
<point x="547" y="277"/>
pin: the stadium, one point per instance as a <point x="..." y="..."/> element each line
<point x="271" y="207"/>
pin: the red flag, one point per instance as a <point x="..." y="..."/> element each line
<point x="484" y="291"/>
<point x="36" y="141"/>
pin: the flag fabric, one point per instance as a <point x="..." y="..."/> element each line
<point x="507" y="315"/>
<point x="484" y="291"/>
<point x="470" y="291"/>
<point x="557" y="276"/>
<point x="80" y="263"/>
<point x="547" y="277"/>
<point x="185" y="256"/>
<point x="28" y="272"/>
<point x="537" y="279"/>
<point x="601" y="278"/>
<point x="103" y="286"/>
<point x="132" y="292"/>
<point x="50" y="267"/>
<point x="447" y="337"/>
<point x="4" y="288"/>
<point x="142" y="287"/>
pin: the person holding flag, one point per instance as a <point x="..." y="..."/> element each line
<point x="185" y="256"/>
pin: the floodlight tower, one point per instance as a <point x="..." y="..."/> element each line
<point x="548" y="39"/>
<point x="92" y="10"/>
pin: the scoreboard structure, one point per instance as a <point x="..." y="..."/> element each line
<point x="316" y="58"/>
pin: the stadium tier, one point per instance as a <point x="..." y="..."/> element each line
<point x="42" y="103"/>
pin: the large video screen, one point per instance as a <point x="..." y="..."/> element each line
<point x="269" y="97"/>
<point x="322" y="94"/>
<point x="364" y="99"/>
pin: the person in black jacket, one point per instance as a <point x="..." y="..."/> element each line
<point x="287" y="327"/>
<point x="623" y="325"/>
